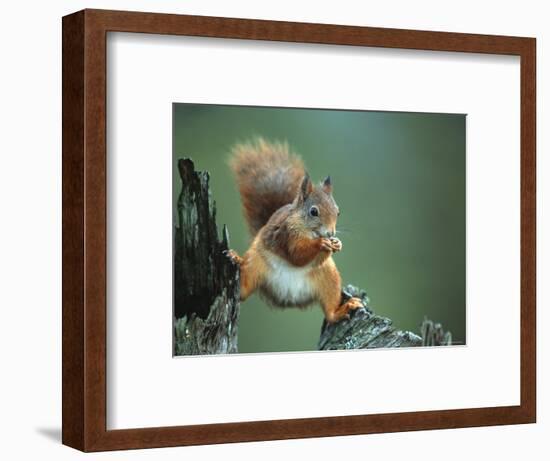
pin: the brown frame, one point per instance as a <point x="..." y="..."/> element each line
<point x="84" y="229"/>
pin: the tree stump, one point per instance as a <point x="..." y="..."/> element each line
<point x="206" y="282"/>
<point x="364" y="329"/>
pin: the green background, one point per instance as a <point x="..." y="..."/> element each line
<point x="399" y="180"/>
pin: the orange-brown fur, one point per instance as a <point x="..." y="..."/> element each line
<point x="290" y="258"/>
<point x="268" y="176"/>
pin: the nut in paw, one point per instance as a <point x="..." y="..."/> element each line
<point x="336" y="244"/>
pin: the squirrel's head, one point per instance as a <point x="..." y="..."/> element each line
<point x="315" y="208"/>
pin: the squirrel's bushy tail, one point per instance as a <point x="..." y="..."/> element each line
<point x="268" y="176"/>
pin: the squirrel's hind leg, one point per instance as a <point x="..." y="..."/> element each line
<point x="252" y="271"/>
<point x="330" y="295"/>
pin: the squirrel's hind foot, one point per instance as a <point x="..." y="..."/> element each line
<point x="234" y="257"/>
<point x="342" y="312"/>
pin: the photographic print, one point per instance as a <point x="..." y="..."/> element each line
<point x="298" y="229"/>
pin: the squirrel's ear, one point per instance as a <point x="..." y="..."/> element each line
<point x="327" y="185"/>
<point x="306" y="188"/>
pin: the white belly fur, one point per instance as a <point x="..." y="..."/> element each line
<point x="289" y="284"/>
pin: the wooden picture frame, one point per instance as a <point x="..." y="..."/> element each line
<point x="85" y="221"/>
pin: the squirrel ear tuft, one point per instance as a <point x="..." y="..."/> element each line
<point x="306" y="188"/>
<point x="327" y="185"/>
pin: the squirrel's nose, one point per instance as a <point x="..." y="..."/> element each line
<point x="329" y="234"/>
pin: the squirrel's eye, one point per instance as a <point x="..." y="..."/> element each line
<point x="314" y="211"/>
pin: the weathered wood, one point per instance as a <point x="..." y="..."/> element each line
<point x="364" y="329"/>
<point x="433" y="334"/>
<point x="206" y="283"/>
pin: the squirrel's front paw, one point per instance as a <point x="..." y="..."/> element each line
<point x="233" y="256"/>
<point x="326" y="245"/>
<point x="336" y="244"/>
<point x="332" y="245"/>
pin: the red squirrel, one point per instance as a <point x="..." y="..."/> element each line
<point x="293" y="224"/>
